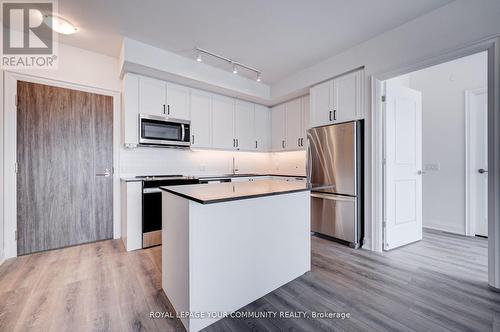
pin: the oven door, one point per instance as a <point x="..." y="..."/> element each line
<point x="157" y="130"/>
<point x="151" y="217"/>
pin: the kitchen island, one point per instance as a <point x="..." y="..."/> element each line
<point x="228" y="244"/>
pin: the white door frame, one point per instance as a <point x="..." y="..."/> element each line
<point x="10" y="151"/>
<point x="469" y="225"/>
<point x="492" y="46"/>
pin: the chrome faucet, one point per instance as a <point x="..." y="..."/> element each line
<point x="234" y="166"/>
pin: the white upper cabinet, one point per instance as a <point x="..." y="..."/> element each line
<point x="321" y="103"/>
<point x="262" y="128"/>
<point x="177" y="101"/>
<point x="152" y="99"/>
<point x="223" y="122"/>
<point x="217" y="122"/>
<point x="244" y="125"/>
<point x="306" y="120"/>
<point x="130" y="110"/>
<point x="347" y="97"/>
<point x="278" y="132"/>
<point x="337" y="100"/>
<point x="201" y="119"/>
<point x="293" y="122"/>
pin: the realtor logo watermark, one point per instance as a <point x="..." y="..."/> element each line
<point x="27" y="41"/>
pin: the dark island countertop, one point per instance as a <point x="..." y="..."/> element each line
<point x="230" y="191"/>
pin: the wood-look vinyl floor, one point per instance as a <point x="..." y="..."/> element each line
<point x="438" y="284"/>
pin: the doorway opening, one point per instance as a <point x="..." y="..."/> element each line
<point x="435" y="174"/>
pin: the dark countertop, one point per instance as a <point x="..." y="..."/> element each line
<point x="230" y="191"/>
<point x="222" y="176"/>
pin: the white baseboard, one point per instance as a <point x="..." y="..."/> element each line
<point x="435" y="224"/>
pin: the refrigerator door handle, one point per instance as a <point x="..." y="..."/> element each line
<point x="333" y="197"/>
<point x="308" y="164"/>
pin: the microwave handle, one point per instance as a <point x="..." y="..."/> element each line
<point x="183" y="130"/>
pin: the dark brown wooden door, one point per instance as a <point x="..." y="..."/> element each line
<point x="64" y="145"/>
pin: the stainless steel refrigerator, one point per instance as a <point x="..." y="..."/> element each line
<point x="335" y="172"/>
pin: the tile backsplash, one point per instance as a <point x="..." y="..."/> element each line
<point x="144" y="161"/>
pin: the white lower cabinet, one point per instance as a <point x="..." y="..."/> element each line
<point x="131" y="216"/>
<point x="201" y="119"/>
<point x="223" y="123"/>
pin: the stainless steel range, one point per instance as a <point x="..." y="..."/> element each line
<point x="151" y="204"/>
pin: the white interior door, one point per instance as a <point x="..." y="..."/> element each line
<point x="403" y="174"/>
<point x="478" y="161"/>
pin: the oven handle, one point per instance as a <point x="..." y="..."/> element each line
<point x="151" y="190"/>
<point x="183" y="129"/>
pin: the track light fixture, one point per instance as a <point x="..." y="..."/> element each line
<point x="235" y="64"/>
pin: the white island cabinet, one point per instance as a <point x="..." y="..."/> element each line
<point x="227" y="244"/>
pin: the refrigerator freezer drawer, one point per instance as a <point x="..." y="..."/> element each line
<point x="335" y="216"/>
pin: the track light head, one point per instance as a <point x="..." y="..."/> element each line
<point x="199" y="59"/>
<point x="235" y="69"/>
<point x="259" y="77"/>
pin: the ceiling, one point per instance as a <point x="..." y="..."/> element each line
<point x="278" y="37"/>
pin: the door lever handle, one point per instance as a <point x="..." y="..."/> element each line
<point x="106" y="173"/>
<point x="482" y="170"/>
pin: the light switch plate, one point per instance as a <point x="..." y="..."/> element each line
<point x="432" y="167"/>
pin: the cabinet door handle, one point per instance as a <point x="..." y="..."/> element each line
<point x="192" y="139"/>
<point x="164" y="111"/>
<point x="283" y="144"/>
<point x="298" y="141"/>
<point x="234" y="142"/>
<point x="256" y="145"/>
<point x="330" y="115"/>
<point x="334" y="115"/>
<point x="168" y="109"/>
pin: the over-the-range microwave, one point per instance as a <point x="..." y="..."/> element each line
<point x="162" y="131"/>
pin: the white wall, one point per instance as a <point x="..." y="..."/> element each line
<point x="443" y="132"/>
<point x="455" y="25"/>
